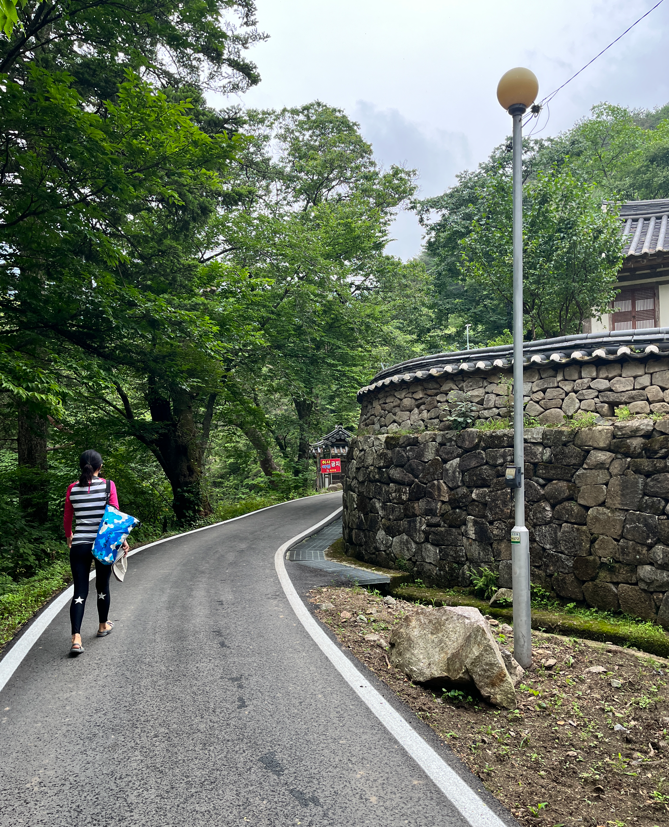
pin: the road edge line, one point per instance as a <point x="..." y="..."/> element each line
<point x="465" y="800"/>
<point x="12" y="659"/>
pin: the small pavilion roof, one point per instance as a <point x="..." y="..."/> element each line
<point x="339" y="435"/>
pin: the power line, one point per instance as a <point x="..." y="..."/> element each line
<point x="534" y="128"/>
<point x="550" y="97"/>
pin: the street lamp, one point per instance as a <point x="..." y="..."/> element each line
<point x="516" y="92"/>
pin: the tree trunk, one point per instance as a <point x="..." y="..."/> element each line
<point x="304" y="409"/>
<point x="32" y="460"/>
<point x="265" y="458"/>
<point x="179" y="449"/>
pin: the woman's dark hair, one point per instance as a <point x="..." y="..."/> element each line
<point x="90" y="462"/>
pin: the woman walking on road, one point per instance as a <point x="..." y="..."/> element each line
<point x="85" y="501"/>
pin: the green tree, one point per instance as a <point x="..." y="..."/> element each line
<point x="566" y="180"/>
<point x="572" y="251"/>
<point x="312" y="228"/>
<point x="623" y="152"/>
<point x="448" y="219"/>
<point x="106" y="183"/>
<point x="598" y="150"/>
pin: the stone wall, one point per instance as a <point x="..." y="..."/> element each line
<point x="437" y="503"/>
<point x="550" y="393"/>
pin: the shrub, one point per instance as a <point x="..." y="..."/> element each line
<point x="485" y="582"/>
<point x="583" y="419"/>
<point x="461" y="415"/>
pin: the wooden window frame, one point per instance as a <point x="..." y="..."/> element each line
<point x="633" y="291"/>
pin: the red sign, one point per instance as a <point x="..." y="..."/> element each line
<point x="330" y="466"/>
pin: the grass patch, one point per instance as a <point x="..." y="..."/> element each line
<point x="28" y="596"/>
<point x="547" y="614"/>
<point x="572" y="621"/>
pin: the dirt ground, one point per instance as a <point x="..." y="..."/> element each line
<point x="588" y="744"/>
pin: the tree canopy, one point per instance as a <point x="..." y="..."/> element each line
<point x="572" y="242"/>
<point x="312" y="229"/>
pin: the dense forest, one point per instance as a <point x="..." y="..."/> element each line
<point x="195" y="293"/>
<point x="198" y="293"/>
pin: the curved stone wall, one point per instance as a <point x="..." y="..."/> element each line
<point x="597" y="503"/>
<point x="559" y="382"/>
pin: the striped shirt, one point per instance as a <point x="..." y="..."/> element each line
<point x="87" y="505"/>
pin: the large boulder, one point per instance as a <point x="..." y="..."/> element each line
<point x="514" y="669"/>
<point x="452" y="644"/>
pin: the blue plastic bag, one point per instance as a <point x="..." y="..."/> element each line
<point x="114" y="529"/>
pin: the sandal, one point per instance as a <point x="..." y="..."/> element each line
<point x="76" y="649"/>
<point x="106" y="631"/>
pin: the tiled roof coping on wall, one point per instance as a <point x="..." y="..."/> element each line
<point x="612" y="346"/>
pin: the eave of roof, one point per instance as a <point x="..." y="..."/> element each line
<point x="645" y="227"/>
<point x="340" y="434"/>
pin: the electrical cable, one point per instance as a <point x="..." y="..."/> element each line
<point x="548" y="109"/>
<point x="545" y="101"/>
<point x="534" y="130"/>
<point x="550" y="97"/>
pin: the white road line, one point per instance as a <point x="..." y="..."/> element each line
<point x="11" y="661"/>
<point x="460" y="794"/>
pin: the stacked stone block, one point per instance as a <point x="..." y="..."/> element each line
<point x="596" y="499"/>
<point x="550" y="394"/>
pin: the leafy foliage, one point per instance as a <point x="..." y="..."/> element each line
<point x="484" y="582"/>
<point x="200" y="293"/>
<point x="615" y="154"/>
<point x="461" y="414"/>
<point x="310" y="231"/>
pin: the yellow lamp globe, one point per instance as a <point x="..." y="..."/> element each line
<point x="518" y="87"/>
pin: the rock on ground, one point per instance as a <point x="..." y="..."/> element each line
<point x="502" y="597"/>
<point x="453" y="644"/>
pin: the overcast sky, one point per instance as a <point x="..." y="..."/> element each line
<point x="420" y="76"/>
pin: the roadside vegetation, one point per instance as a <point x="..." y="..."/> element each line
<point x="550" y="615"/>
<point x="195" y="292"/>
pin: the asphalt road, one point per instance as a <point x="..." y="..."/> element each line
<point x="209" y="704"/>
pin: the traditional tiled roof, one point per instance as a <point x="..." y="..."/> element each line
<point x="340" y="434"/>
<point x="645" y="227"/>
<point x="611" y="346"/>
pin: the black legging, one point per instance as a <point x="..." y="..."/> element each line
<point x="80" y="562"/>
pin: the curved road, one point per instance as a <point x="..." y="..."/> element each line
<point x="208" y="705"/>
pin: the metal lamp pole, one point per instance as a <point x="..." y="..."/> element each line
<point x="517" y="90"/>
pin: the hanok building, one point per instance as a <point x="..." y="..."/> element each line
<point x="643" y="301"/>
<point x="330" y="452"/>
